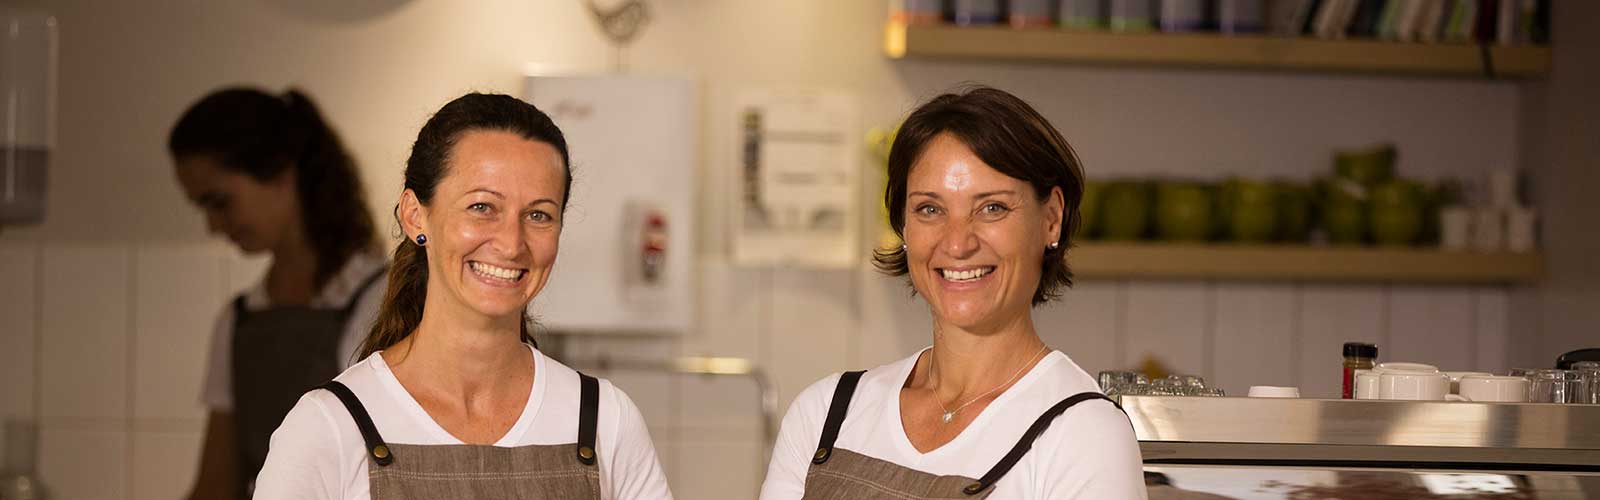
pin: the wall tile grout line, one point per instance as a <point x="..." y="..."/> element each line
<point x="1119" y="326"/>
<point x="38" y="346"/>
<point x="1208" y="346"/>
<point x="1385" y="313"/>
<point x="1296" y="336"/>
<point x="132" y="370"/>
<point x="1474" y="332"/>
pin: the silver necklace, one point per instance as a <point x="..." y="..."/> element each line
<point x="951" y="414"/>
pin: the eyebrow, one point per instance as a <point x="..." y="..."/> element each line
<point x="497" y="194"/>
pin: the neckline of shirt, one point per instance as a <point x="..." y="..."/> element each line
<point x="420" y="417"/>
<point x="902" y="441"/>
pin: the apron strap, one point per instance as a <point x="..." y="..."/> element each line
<point x="1026" y="443"/>
<point x="369" y="433"/>
<point x="836" y="411"/>
<point x="588" y="417"/>
<point x="238" y="308"/>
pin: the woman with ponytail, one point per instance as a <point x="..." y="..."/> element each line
<point x="272" y="176"/>
<point x="453" y="399"/>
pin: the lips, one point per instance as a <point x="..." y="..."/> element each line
<point x="497" y="273"/>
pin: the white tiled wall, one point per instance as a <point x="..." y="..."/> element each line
<point x="107" y="344"/>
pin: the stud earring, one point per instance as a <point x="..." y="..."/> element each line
<point x="1054" y="245"/>
<point x="422" y="240"/>
<point x="902" y="247"/>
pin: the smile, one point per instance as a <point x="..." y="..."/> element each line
<point x="494" y="272"/>
<point x="966" y="275"/>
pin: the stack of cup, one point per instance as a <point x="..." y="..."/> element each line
<point x="1423" y="382"/>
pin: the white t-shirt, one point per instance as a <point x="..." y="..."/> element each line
<point x="318" y="453"/>
<point x="1089" y="452"/>
<point x="217" y="393"/>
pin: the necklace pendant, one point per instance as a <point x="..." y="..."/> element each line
<point x="948" y="416"/>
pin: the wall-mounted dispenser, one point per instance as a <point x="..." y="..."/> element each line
<point x="27" y="112"/>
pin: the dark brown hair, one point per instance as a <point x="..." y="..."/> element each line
<point x="1010" y="136"/>
<point x="263" y="136"/>
<point x="429" y="164"/>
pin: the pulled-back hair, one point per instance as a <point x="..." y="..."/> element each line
<point x="262" y="135"/>
<point x="428" y="165"/>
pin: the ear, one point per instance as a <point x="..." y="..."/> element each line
<point x="413" y="215"/>
<point x="1053" y="206"/>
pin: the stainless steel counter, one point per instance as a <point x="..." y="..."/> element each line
<point x="1407" y="435"/>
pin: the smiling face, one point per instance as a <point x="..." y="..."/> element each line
<point x="975" y="238"/>
<point x="493" y="225"/>
<point x="255" y="215"/>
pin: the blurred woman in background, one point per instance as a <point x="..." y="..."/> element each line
<point x="453" y="399"/>
<point x="274" y="178"/>
<point x="984" y="192"/>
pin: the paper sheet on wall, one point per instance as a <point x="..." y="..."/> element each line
<point x="797" y="179"/>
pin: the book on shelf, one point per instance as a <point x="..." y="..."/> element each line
<point x="1365" y="23"/>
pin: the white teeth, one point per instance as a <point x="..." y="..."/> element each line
<point x="495" y="271"/>
<point x="967" y="275"/>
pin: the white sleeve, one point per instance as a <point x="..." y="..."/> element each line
<point x="629" y="468"/>
<point x="797" y="441"/>
<point x="359" y="324"/>
<point x="217" y="391"/>
<point x="1102" y="459"/>
<point x="305" y="461"/>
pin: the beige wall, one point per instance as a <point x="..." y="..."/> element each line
<point x="119" y="231"/>
<point x="1561" y="149"/>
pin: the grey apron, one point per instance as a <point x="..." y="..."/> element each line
<point x="840" y="474"/>
<point x="533" y="472"/>
<point x="278" y="354"/>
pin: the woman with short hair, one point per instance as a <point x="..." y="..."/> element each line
<point x="984" y="192"/>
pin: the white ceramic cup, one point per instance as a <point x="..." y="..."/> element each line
<point x="1366" y="384"/>
<point x="1271" y="391"/>
<point x="1455" y="379"/>
<point x="1413" y="385"/>
<point x="1404" y="366"/>
<point x="1494" y="388"/>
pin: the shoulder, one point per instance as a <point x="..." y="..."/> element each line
<point x="875" y="385"/>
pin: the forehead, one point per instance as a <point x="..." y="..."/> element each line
<point x="506" y="163"/>
<point x="948" y="165"/>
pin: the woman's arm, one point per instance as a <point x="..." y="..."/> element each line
<point x="307" y="457"/>
<point x="219" y="461"/>
<point x="1097" y="455"/>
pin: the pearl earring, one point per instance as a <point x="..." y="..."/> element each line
<point x="1054" y="245"/>
<point x="422" y="240"/>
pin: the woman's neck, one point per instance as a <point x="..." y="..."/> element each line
<point x="460" y="351"/>
<point x="965" y="364"/>
<point x="292" y="278"/>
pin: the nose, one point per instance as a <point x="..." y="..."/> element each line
<point x="508" y="240"/>
<point x="959" y="240"/>
<point x="214" y="222"/>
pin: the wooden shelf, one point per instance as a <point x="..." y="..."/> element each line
<point x="1212" y="51"/>
<point x="1105" y="260"/>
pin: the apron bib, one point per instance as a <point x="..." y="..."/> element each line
<point x="279" y="354"/>
<point x="533" y="472"/>
<point x="840" y="474"/>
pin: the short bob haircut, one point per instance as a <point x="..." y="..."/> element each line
<point x="1011" y="137"/>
